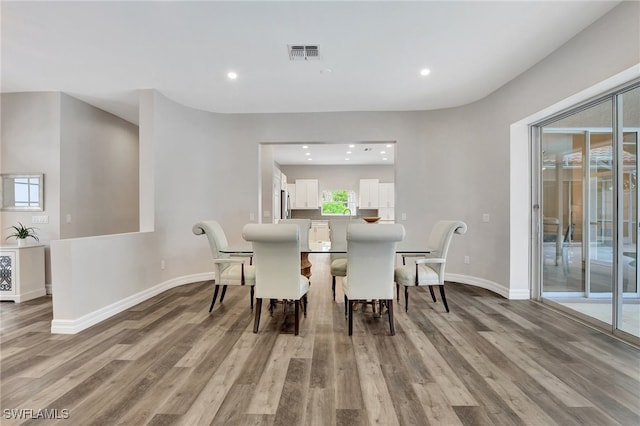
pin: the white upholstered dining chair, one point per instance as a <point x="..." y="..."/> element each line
<point x="229" y="270"/>
<point x="304" y="225"/>
<point x="429" y="270"/>
<point x="338" y="238"/>
<point x="276" y="256"/>
<point x="371" y="255"/>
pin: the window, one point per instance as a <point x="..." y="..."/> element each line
<point x="338" y="203"/>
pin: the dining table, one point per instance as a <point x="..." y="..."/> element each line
<point x="405" y="249"/>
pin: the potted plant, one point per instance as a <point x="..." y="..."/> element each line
<point x="21" y="233"/>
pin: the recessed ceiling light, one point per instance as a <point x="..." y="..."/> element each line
<point x="389" y="145"/>
<point x="348" y="152"/>
<point x="346" y="159"/>
<point x="384" y="159"/>
<point x="307" y="153"/>
<point x="305" y="147"/>
<point x="425" y="71"/>
<point x="326" y="71"/>
<point x="232" y="75"/>
<point x="351" y="146"/>
<point x="383" y="152"/>
<point x="309" y="159"/>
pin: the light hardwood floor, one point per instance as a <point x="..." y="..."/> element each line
<point x="489" y="361"/>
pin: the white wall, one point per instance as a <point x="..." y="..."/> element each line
<point x="89" y="159"/>
<point x="454" y="163"/>
<point x="30" y="143"/>
<point x="98" y="172"/>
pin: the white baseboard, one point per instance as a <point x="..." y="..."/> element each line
<point x="92" y="318"/>
<point x="489" y="285"/>
<point x="23" y="297"/>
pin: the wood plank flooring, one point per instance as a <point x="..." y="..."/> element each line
<point x="167" y="361"/>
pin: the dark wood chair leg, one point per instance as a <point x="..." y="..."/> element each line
<point x="215" y="294"/>
<point x="392" y="325"/>
<point x="444" y="299"/>
<point x="333" y="286"/>
<point x="251" y="302"/>
<point x="304" y="305"/>
<point x="224" y="291"/>
<point x="350" y="317"/>
<point x="433" y="295"/>
<point x="346" y="303"/>
<point x="398" y="291"/>
<point x="406" y="299"/>
<point x="256" y="321"/>
<point x="296" y="326"/>
<point x="272" y="305"/>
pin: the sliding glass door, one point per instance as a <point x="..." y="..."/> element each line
<point x="587" y="194"/>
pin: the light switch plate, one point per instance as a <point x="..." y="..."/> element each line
<point x="40" y="219"/>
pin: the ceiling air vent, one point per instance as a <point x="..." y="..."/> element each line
<point x="300" y="52"/>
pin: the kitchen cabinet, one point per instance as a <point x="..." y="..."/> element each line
<point x="386" y="206"/>
<point x="22" y="273"/>
<point x="369" y="194"/>
<point x="386" y="195"/>
<point x="319" y="231"/>
<point x="306" y="194"/>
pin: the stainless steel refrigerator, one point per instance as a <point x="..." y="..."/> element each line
<point x="285" y="205"/>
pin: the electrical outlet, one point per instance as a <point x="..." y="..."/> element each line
<point x="485" y="217"/>
<point x="162" y="264"/>
<point x="252" y="216"/>
<point x="467" y="260"/>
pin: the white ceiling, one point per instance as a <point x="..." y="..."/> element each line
<point x="316" y="154"/>
<point x="370" y="52"/>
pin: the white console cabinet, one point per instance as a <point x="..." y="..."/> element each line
<point x="22" y="273"/>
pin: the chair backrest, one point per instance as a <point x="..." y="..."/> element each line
<point x="215" y="235"/>
<point x="371" y="256"/>
<point x="276" y="256"/>
<point x="441" y="234"/>
<point x="440" y="239"/>
<point x="305" y="226"/>
<point x="338" y="237"/>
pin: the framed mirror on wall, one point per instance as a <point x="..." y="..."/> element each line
<point x="22" y="191"/>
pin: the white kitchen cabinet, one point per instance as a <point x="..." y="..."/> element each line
<point x="319" y="231"/>
<point x="22" y="273"/>
<point x="306" y="194"/>
<point x="386" y="209"/>
<point x="387" y="214"/>
<point x="369" y="194"/>
<point x="386" y="195"/>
